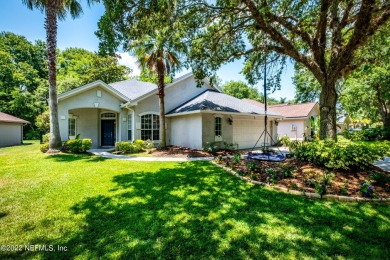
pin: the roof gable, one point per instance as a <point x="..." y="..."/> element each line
<point x="11" y="119"/>
<point x="89" y="86"/>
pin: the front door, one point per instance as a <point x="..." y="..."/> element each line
<point x="108" y="132"/>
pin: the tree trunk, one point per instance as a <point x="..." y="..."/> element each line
<point x="328" y="100"/>
<point x="161" y="94"/>
<point x="51" y="41"/>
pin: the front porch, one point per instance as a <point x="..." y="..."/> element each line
<point x="104" y="127"/>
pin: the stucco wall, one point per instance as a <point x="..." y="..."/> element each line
<point x="285" y="128"/>
<point x="10" y="134"/>
<point x="186" y="131"/>
<point x="83" y="106"/>
<point x="208" y="129"/>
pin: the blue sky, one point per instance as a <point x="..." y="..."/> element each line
<point x="17" y="18"/>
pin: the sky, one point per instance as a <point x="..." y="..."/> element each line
<point x="17" y="18"/>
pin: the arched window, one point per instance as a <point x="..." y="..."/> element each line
<point x="150" y="127"/>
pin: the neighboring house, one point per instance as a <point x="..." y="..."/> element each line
<point x="129" y="110"/>
<point x="296" y="123"/>
<point x="344" y="122"/>
<point x="11" y="130"/>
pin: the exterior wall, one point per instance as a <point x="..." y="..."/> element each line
<point x="10" y="134"/>
<point x="208" y="129"/>
<point x="83" y="106"/>
<point x="248" y="129"/>
<point x="186" y="131"/>
<point x="174" y="96"/>
<point x="87" y="124"/>
<point x="285" y="128"/>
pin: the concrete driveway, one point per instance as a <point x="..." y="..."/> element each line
<point x="384" y="164"/>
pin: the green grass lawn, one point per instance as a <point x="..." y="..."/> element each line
<point x="104" y="208"/>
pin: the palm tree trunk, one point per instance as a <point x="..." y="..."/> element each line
<point x="161" y="94"/>
<point x="51" y="41"/>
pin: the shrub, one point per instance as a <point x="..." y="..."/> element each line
<point x="78" y="145"/>
<point x="139" y="143"/>
<point x="285" y="140"/>
<point x="86" y="144"/>
<point x="73" y="146"/>
<point x="124" y="147"/>
<point x="128" y="147"/>
<point x="251" y="166"/>
<point x="148" y="144"/>
<point x="367" y="190"/>
<point x="339" y="156"/>
<point x="32" y="134"/>
<point x="44" y="147"/>
<point x="381" y="179"/>
<point x="211" y="147"/>
<point x="46" y="138"/>
<point x="236" y="158"/>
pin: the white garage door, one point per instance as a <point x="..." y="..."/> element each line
<point x="247" y="131"/>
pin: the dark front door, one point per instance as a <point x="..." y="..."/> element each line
<point x="108" y="132"/>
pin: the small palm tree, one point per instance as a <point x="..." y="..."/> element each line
<point x="54" y="9"/>
<point x="154" y="54"/>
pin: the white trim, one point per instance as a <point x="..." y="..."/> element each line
<point x="86" y="87"/>
<point x="119" y="122"/>
<point x="148" y="113"/>
<point x="223" y="113"/>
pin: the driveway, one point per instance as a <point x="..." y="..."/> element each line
<point x="384" y="164"/>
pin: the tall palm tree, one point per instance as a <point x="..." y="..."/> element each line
<point x="157" y="56"/>
<point x="54" y="9"/>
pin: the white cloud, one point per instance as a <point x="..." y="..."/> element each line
<point x="129" y="61"/>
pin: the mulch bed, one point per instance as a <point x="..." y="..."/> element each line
<point x="305" y="175"/>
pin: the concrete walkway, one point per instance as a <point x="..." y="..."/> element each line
<point x="384" y="164"/>
<point x="105" y="154"/>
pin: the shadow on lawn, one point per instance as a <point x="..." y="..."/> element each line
<point x="69" y="157"/>
<point x="197" y="211"/>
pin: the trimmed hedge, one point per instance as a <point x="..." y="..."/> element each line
<point x="133" y="147"/>
<point x="333" y="155"/>
<point x="78" y="145"/>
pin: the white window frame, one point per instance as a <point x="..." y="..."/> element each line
<point x="130" y="126"/>
<point x="215" y="126"/>
<point x="71" y="117"/>
<point x="152" y="129"/>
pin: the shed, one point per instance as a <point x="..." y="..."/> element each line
<point x="11" y="130"/>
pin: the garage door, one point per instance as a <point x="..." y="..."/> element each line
<point x="247" y="131"/>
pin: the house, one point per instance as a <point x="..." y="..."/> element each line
<point x="296" y="123"/>
<point x="129" y="110"/>
<point x="343" y="123"/>
<point x="11" y="130"/>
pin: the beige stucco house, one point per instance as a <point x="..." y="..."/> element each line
<point x="129" y="110"/>
<point x="11" y="130"/>
<point x="296" y="123"/>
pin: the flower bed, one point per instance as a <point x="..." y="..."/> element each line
<point x="294" y="175"/>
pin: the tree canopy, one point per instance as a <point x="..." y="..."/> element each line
<point x="323" y="36"/>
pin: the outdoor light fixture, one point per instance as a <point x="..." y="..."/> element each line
<point x="276" y="123"/>
<point x="230" y="121"/>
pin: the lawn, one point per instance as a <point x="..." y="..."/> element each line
<point x="105" y="208"/>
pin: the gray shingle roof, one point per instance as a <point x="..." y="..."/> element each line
<point x="215" y="101"/>
<point x="132" y="88"/>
